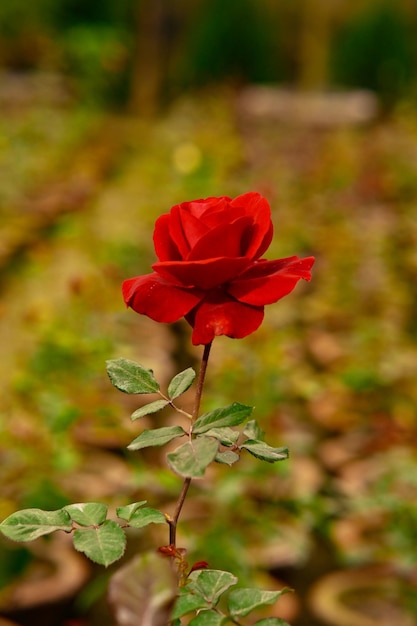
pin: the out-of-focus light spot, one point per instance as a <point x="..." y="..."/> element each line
<point x="187" y="158"/>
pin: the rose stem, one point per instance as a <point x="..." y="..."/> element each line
<point x="173" y="521"/>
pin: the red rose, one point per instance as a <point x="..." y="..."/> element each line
<point x="210" y="268"/>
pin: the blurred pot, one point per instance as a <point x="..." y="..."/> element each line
<point x="372" y="596"/>
<point x="43" y="593"/>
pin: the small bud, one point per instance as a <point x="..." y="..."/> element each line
<point x="199" y="565"/>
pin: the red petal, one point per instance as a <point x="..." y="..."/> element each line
<point x="206" y="208"/>
<point x="166" y="249"/>
<point x="266" y="282"/>
<point x="221" y="315"/>
<point x="163" y="302"/>
<point x="177" y="232"/>
<point x="257" y="207"/>
<point x="224" y="240"/>
<point x="204" y="274"/>
<point x="186" y="229"/>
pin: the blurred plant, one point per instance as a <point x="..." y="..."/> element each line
<point x="211" y="271"/>
<point x="230" y="41"/>
<point x="97" y="57"/>
<point x="375" y="50"/>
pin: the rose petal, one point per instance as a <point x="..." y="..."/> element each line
<point x="258" y="208"/>
<point x="204" y="274"/>
<point x="204" y="208"/>
<point x="166" y="249"/>
<point x="178" y="231"/>
<point x="186" y="229"/>
<point x="221" y="315"/>
<point x="224" y="240"/>
<point x="163" y="302"/>
<point x="268" y="281"/>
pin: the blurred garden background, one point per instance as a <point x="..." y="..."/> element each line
<point x="113" y="111"/>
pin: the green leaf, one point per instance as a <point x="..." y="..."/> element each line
<point x="208" y="618"/>
<point x="254" y="431"/>
<point x="191" y="459"/>
<point x="227" y="416"/>
<point x="87" y="514"/>
<point x="181" y="382"/>
<point x="243" y="601"/>
<point x="228" y="457"/>
<point x="103" y="545"/>
<point x="156" y="437"/>
<point x="226" y="436"/>
<point x="152" y="407"/>
<point x="210" y="584"/>
<point x="263" y="451"/>
<point x="187" y="603"/>
<point x="130" y="377"/>
<point x="126" y="512"/>
<point x="145" y="516"/>
<point x="271" y="621"/>
<point x="138" y="516"/>
<point x="30" y="524"/>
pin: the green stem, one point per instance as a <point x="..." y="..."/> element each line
<point x="173" y="521"/>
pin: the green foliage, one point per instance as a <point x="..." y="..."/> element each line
<point x="129" y="377"/>
<point x="148" y="409"/>
<point x="102" y="540"/>
<point x="228" y="457"/>
<point x="87" y="514"/>
<point x="156" y="437"/>
<point x="206" y="588"/>
<point x="31" y="524"/>
<point x="104" y="544"/>
<point x="263" y="451"/>
<point x="209" y="617"/>
<point x="139" y="516"/>
<point x="228" y="416"/>
<point x="146" y="516"/>
<point x="96" y="55"/>
<point x="271" y="621"/>
<point x="191" y="459"/>
<point x="181" y="383"/>
<point x="128" y="511"/>
<point x="227" y="436"/>
<point x="243" y="601"/>
<point x="208" y="432"/>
